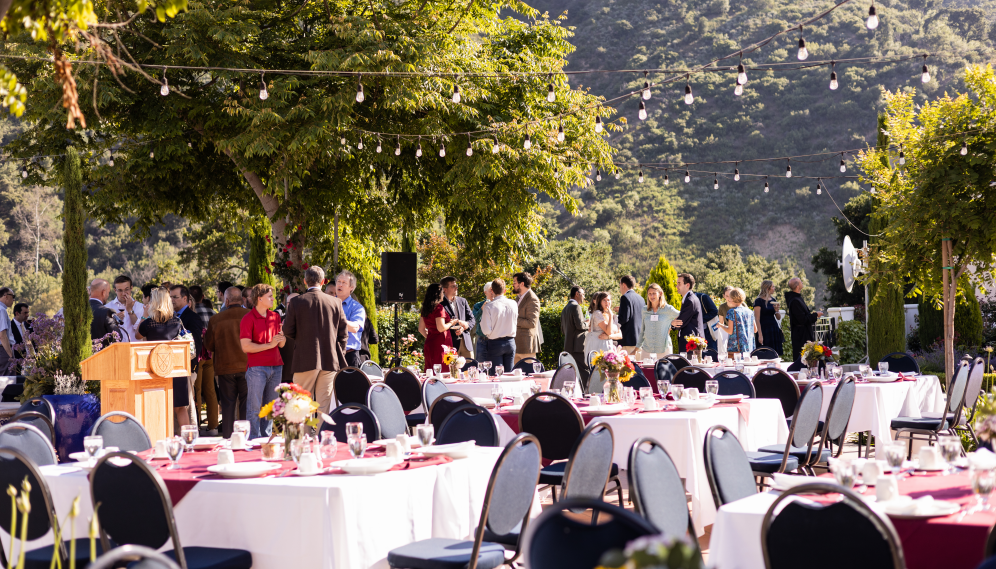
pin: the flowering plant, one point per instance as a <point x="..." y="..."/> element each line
<point x="652" y="552"/>
<point x="614" y="361"/>
<point x="41" y="350"/>
<point x="693" y="343"/>
<point x="815" y="352"/>
<point x="293" y="406"/>
<point x="409" y="355"/>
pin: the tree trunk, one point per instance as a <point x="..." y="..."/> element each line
<point x="950" y="273"/>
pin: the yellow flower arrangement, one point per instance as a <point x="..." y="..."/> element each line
<point x="449" y="356"/>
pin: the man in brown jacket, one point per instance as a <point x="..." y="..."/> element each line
<point x="527" y="329"/>
<point x="316" y="323"/>
<point x="222" y="339"/>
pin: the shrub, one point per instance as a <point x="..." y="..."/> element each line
<point x="851" y="341"/>
<point x="553" y="337"/>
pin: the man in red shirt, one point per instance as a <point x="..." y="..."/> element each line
<point x="261" y="336"/>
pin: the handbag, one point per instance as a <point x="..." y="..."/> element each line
<point x="184" y="335"/>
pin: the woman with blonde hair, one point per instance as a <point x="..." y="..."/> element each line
<point x="655" y="338"/>
<point x="162" y="325"/>
<point x="769" y="332"/>
<point x="739" y="324"/>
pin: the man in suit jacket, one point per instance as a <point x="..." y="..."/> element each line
<point x="575" y="327"/>
<point x="689" y="320"/>
<point x="527" y="328"/>
<point x="20" y="327"/>
<point x="801" y="319"/>
<point x="631" y="308"/>
<point x="458" y="309"/>
<point x="103" y="322"/>
<point x="317" y="324"/>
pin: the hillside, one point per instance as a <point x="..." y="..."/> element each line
<point x="780" y="114"/>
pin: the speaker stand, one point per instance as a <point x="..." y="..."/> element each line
<point x="397" y="351"/>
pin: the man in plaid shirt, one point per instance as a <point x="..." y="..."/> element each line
<point x="204" y="387"/>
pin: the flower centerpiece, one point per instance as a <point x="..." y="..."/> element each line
<point x="454" y="361"/>
<point x="290" y="412"/>
<point x="654" y="552"/>
<point x="615" y="366"/>
<point x="695" y="344"/>
<point x="816" y="356"/>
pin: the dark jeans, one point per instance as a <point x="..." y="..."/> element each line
<point x="234" y="392"/>
<point x="482" y="349"/>
<point x="501" y="352"/>
<point x="353" y="358"/>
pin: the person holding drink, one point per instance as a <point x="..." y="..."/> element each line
<point x="769" y="332"/>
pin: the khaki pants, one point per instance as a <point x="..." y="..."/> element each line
<point x="319" y="383"/>
<point x="629" y="349"/>
<point x="463" y="351"/>
<point x="204" y="393"/>
<point x="522" y="357"/>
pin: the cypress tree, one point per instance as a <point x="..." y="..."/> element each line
<point x="76" y="344"/>
<point x="365" y="295"/>
<point x="664" y="275"/>
<point x="261" y="253"/>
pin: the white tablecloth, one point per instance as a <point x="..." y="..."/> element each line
<point x="483" y="390"/>
<point x="683" y="434"/>
<point x="877" y="404"/>
<point x="332" y="521"/>
<point x="736" y="537"/>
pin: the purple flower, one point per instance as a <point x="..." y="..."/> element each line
<point x="278" y="407"/>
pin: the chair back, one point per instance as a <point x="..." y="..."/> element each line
<point x="974" y="388"/>
<point x="431" y="390"/>
<point x="956" y="393"/>
<point x="353" y="413"/>
<point x="15" y="468"/>
<point x="469" y="423"/>
<point x="132" y="504"/>
<point x="350" y="386"/>
<point x="566" y="372"/>
<point x="711" y="353"/>
<point x="469" y="364"/>
<point x="677" y="361"/>
<point x="126" y="434"/>
<point x="656" y="489"/>
<point x="901" y="361"/>
<point x="526" y="365"/>
<point x="372" y="369"/>
<point x="385" y="404"/>
<point x="559" y="539"/>
<point x="733" y="382"/>
<point x="805" y="422"/>
<point x="664" y="370"/>
<point x="40" y="405"/>
<point x="37" y="420"/>
<point x="839" y="412"/>
<point x="591" y="356"/>
<point x="566" y="358"/>
<point x="765" y="353"/>
<point x="594" y="377"/>
<point x="794" y="529"/>
<point x="727" y="467"/>
<point x="146" y="559"/>
<point x="796" y="366"/>
<point x="446" y="404"/>
<point x="29" y="441"/>
<point x="691" y="376"/>
<point x="638" y="380"/>
<point x="406" y="386"/>
<point x="554" y="421"/>
<point x="771" y="383"/>
<point x="588" y="468"/>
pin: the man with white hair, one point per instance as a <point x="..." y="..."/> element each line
<point x="356" y="315"/>
<point x="103" y="318"/>
<point x="800" y="317"/>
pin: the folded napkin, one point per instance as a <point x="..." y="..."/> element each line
<point x="906" y="377"/>
<point x="786" y="481"/>
<point x="903" y="506"/>
<point x="982" y="459"/>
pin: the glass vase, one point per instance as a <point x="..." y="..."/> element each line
<point x="292" y="431"/>
<point x="454" y="371"/>
<point x="612" y="388"/>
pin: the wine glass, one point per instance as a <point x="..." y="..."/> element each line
<point x="865" y="370"/>
<point x="354" y="429"/>
<point x="653" y="357"/>
<point x="297" y="448"/>
<point x="712" y="386"/>
<point x="497" y="394"/>
<point x="883" y="367"/>
<point x="663" y="386"/>
<point x="327" y="446"/>
<point x="843" y="471"/>
<point x="487" y="367"/>
<point x="188" y="433"/>
<point x="677" y="390"/>
<point x="174" y="450"/>
<point x="537" y="367"/>
<point x="950" y="446"/>
<point x="92" y="445"/>
<point x="499" y="371"/>
<point x="838" y="372"/>
<point x="738" y="357"/>
<point x="895" y="454"/>
<point x="435" y="369"/>
<point x="983" y="480"/>
<point x="425" y="433"/>
<point x="241" y="427"/>
<point x="357" y="445"/>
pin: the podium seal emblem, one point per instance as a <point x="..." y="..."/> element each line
<point x="161" y="360"/>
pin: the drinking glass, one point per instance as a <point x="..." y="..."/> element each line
<point x="354" y="429"/>
<point x="497" y="394"/>
<point x="883" y="367"/>
<point x="537" y="367"/>
<point x="174" y="450"/>
<point x="425" y="434"/>
<point x="662" y="387"/>
<point x="297" y="448"/>
<point x="983" y="480"/>
<point x="499" y="371"/>
<point x="895" y="454"/>
<point x="436" y="368"/>
<point x="569" y="388"/>
<point x="950" y="446"/>
<point x="865" y="370"/>
<point x="487" y="367"/>
<point x="646" y="394"/>
<point x="92" y="445"/>
<point x="534" y="388"/>
<point x="843" y="472"/>
<point x="241" y="427"/>
<point x="189" y="433"/>
<point x="327" y="446"/>
<point x="838" y="372"/>
<point x="357" y="445"/>
<point x="712" y="386"/>
<point x="684" y="355"/>
<point x="738" y="357"/>
<point x="472" y="374"/>
<point x="677" y="389"/>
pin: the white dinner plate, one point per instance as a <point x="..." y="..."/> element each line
<point x="243" y="469"/>
<point x="514" y="409"/>
<point x="604" y="410"/>
<point x="731" y="398"/>
<point x="455" y="450"/>
<point x="297" y="471"/>
<point x="413" y="441"/>
<point x="82" y="455"/>
<point x="366" y="465"/>
<point x="782" y="482"/>
<point x="486" y="402"/>
<point x="694" y="404"/>
<point x="544" y="373"/>
<point x="206" y="443"/>
<point x="906" y="508"/>
<point x="510" y="377"/>
<point x="879" y="377"/>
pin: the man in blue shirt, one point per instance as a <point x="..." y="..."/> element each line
<point x="345" y="283"/>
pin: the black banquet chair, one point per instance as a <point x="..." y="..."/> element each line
<point x="505" y="513"/>
<point x="899" y="361"/>
<point x="771" y="383"/>
<point x="691" y="377"/>
<point x="372" y="369"/>
<point x="802" y="432"/>
<point x="557" y="424"/>
<point x="664" y="370"/>
<point x="137" y="557"/>
<point x="431" y="390"/>
<point x="30" y="442"/>
<point x="656" y="489"/>
<point x="796" y="366"/>
<point x="135" y="509"/>
<point x="469" y="423"/>
<point x="566" y="372"/>
<point x="385" y="404"/>
<point x="409" y="391"/>
<point x="446" y="404"/>
<point x="710" y="353"/>
<point x="765" y="353"/>
<point x="559" y="539"/>
<point x="37" y="420"/>
<point x="928" y="428"/>
<point x="677" y="361"/>
<point x="590" y="468"/>
<point x="126" y="434"/>
<point x="353" y="413"/>
<point x="732" y="382"/>
<point x="727" y="467"/>
<point x="566" y="358"/>
<point x="350" y="386"/>
<point x="15" y="468"/>
<point x="838" y="416"/>
<point x="469" y="364"/>
<point x="638" y="380"/>
<point x="793" y="532"/>
<point x="39" y="405"/>
<point x="526" y="365"/>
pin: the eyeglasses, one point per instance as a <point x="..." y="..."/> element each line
<point x="10" y="294"/>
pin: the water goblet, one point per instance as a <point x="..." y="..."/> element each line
<point x="895" y="454"/>
<point x="712" y="386"/>
<point x="838" y="372"/>
<point x="843" y="472"/>
<point x="472" y="374"/>
<point x="189" y="433"/>
<point x="534" y="387"/>
<point x="241" y="427"/>
<point x="92" y="445"/>
<point x="865" y="370"/>
<point x="436" y="368"/>
<point x="983" y="481"/>
<point x="357" y="445"/>
<point x="425" y="433"/>
<point x="950" y="446"/>
<point x="298" y="447"/>
<point x="174" y="450"/>
<point x="646" y="394"/>
<point x="354" y="429"/>
<point x="499" y="371"/>
<point x="497" y="393"/>
<point x="487" y="367"/>
<point x="738" y="357"/>
<point x="327" y="446"/>
<point x="684" y="355"/>
<point x="883" y="367"/>
<point x="677" y="390"/>
<point x="662" y="387"/>
<point x="537" y="367"/>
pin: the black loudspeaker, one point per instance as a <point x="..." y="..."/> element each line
<point x="398" y="277"/>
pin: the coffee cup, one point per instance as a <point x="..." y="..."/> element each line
<point x="887" y="488"/>
<point x="690" y="393"/>
<point x="650" y="404"/>
<point x="929" y="458"/>
<point x="238" y="440"/>
<point x="392" y="449"/>
<point x="226" y="456"/>
<point x="594" y="400"/>
<point x="871" y="471"/>
<point x="308" y="463"/>
<point x="404" y="444"/>
<point x="517" y="372"/>
<point x="160" y="450"/>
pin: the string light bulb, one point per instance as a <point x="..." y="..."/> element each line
<point x="496" y="146"/>
<point x="111" y="162"/>
<point x="715" y="182"/>
<point x="378" y="145"/>
<point x="666" y="180"/>
<point x="442" y="149"/>
<point x="803" y="52"/>
<point x="688" y="177"/>
<point x="359" y="91"/>
<point x="902" y="156"/>
<point x="736" y="174"/>
<point x="741" y="74"/>
<point x="833" y="76"/>
<point x="470" y="148"/>
<point x="164" y="90"/>
<point x="964" y="148"/>
<point x="24" y="171"/>
<point x="397" y="149"/>
<point x="788" y="171"/>
<point x="456" y="93"/>
<point x="688" y="92"/>
<point x="641" y="176"/>
<point x="560" y="133"/>
<point x="643" y="111"/>
<point x="925" y="75"/>
<point x="551" y="95"/>
<point x="819" y="188"/>
<point x="528" y="143"/>
<point x="872" y="22"/>
<point x="843" y="167"/>
<point x="598" y="175"/>
<point x="766" y="188"/>
<point x="598" y="124"/>
<point x="738" y="90"/>
<point x="152" y="154"/>
<point x="418" y="149"/>
<point x="359" y="145"/>
<point x="618" y="174"/>
<point x="646" y="87"/>
<point x="342" y="141"/>
<point x="263" y="94"/>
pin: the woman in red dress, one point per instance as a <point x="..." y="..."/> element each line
<point x="435" y="326"/>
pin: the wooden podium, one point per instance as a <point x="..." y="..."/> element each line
<point x="137" y="377"/>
